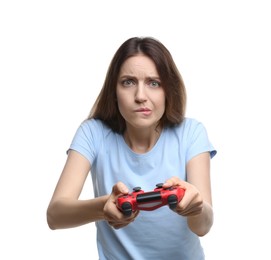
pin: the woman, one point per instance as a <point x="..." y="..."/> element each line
<point x="137" y="135"/>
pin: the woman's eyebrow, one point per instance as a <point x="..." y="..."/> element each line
<point x="134" y="77"/>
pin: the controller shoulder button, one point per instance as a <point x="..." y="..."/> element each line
<point x="137" y="189"/>
<point x="159" y="185"/>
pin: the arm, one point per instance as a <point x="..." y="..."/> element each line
<point x="65" y="210"/>
<point x="196" y="204"/>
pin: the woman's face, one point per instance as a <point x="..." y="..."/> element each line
<point x="140" y="96"/>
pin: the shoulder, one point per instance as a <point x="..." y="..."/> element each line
<point x="92" y="123"/>
<point x="185" y="132"/>
<point x="188" y="126"/>
<point x="195" y="135"/>
<point x="94" y="126"/>
<point x="89" y="138"/>
<point x="91" y="131"/>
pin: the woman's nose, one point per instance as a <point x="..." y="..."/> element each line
<point x="140" y="95"/>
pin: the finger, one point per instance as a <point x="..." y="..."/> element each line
<point x="192" y="208"/>
<point x="171" y="182"/>
<point x="190" y="212"/>
<point x="118" y="226"/>
<point x="131" y="217"/>
<point x="175" y="181"/>
<point x="119" y="223"/>
<point x="120" y="188"/>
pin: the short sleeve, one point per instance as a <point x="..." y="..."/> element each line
<point x="85" y="139"/>
<point x="199" y="141"/>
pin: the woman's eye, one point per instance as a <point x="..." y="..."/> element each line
<point x="127" y="82"/>
<point x="155" y="84"/>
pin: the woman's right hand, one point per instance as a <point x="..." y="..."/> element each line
<point x="112" y="214"/>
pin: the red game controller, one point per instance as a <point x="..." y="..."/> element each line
<point x="140" y="200"/>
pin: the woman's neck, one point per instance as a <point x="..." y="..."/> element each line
<point x="141" y="140"/>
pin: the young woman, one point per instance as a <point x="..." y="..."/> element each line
<point x="137" y="135"/>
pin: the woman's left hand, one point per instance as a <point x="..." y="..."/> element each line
<point x="192" y="202"/>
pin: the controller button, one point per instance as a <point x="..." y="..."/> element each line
<point x="137" y="189"/>
<point x="159" y="185"/>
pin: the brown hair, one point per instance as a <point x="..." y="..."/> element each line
<point x="106" y="108"/>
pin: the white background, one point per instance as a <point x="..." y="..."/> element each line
<point x="53" y="60"/>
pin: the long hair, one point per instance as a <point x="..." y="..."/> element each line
<point x="105" y="107"/>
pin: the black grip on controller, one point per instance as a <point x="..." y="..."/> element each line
<point x="172" y="201"/>
<point x="126" y="208"/>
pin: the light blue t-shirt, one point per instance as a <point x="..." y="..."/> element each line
<point x="158" y="234"/>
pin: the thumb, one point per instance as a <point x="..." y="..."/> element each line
<point x="119" y="188"/>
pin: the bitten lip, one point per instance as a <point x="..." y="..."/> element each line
<point x="142" y="109"/>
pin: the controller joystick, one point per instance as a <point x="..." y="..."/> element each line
<point x="140" y="200"/>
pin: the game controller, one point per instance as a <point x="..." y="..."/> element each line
<point x="140" y="200"/>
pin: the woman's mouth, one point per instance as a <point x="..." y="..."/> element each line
<point x="144" y="111"/>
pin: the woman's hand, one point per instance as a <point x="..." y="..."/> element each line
<point x="112" y="214"/>
<point x="196" y="204"/>
<point x="191" y="203"/>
